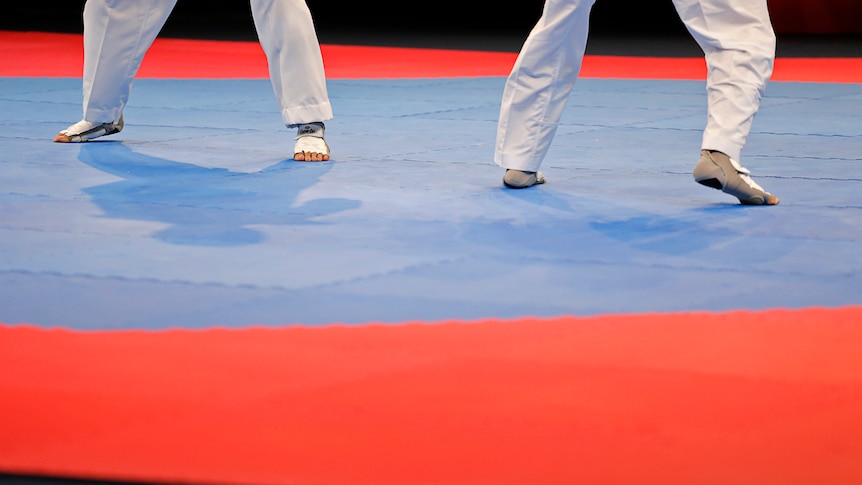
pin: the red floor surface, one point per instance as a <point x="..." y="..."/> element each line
<point x="25" y="54"/>
<point x="741" y="397"/>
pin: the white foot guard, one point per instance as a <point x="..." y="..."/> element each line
<point x="85" y="131"/>
<point x="310" y="144"/>
<point x="518" y="179"/>
<point x="717" y="170"/>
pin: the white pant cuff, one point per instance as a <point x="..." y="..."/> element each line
<point x="299" y="115"/>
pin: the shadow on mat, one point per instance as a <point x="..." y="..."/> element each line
<point x="205" y="206"/>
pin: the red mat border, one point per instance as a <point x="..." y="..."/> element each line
<point x="734" y="397"/>
<point x="35" y="54"/>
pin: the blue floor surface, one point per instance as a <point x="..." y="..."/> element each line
<point x="195" y="216"/>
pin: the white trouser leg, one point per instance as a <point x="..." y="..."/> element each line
<point x="739" y="44"/>
<point x="540" y="83"/>
<point x="286" y="32"/>
<point x="117" y="34"/>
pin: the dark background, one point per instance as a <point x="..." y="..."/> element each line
<point x="630" y="27"/>
<point x="380" y="17"/>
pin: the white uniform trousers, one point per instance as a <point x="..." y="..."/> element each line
<point x="117" y="34"/>
<point x="737" y="40"/>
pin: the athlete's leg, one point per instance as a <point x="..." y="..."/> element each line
<point x="539" y="85"/>
<point x="286" y="32"/>
<point x="739" y="44"/>
<point x="117" y="34"/>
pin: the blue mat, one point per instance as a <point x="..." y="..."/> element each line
<point x="195" y="216"/>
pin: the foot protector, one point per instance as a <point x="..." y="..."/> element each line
<point x="85" y="131"/>
<point x="310" y="144"/>
<point x="717" y="170"/>
<point x="518" y="179"/>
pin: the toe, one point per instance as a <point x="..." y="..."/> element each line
<point x="768" y="199"/>
<point x="62" y="138"/>
<point x="310" y="157"/>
